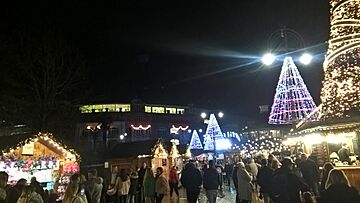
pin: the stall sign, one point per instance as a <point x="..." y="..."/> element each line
<point x="28" y="148"/>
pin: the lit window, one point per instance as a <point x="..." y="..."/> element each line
<point x="180" y="111"/>
<point x="156" y="109"/>
<point x="147" y="109"/>
<point x="171" y="110"/>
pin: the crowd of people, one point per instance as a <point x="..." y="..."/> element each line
<point x="271" y="180"/>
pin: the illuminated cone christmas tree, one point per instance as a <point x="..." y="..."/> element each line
<point x="213" y="132"/>
<point x="292" y="101"/>
<point x="340" y="95"/>
<point x="195" y="142"/>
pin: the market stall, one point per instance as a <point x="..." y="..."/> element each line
<point x="40" y="156"/>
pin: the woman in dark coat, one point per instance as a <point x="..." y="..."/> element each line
<point x="134" y="179"/>
<point x="327" y="168"/>
<point x="338" y="189"/>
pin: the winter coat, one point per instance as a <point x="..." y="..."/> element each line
<point x="133" y="184"/>
<point x="162" y="185"/>
<point x="34" y="197"/>
<point x="14" y="193"/>
<point x="340" y="193"/>
<point x="264" y="179"/>
<point x="123" y="186"/>
<point x="2" y="195"/>
<point x="191" y="177"/>
<point x="95" y="188"/>
<point x="211" y="179"/>
<point x="234" y="176"/>
<point x="253" y="169"/>
<point x="244" y="185"/>
<point x="285" y="186"/>
<point x="310" y="171"/>
<point x="173" y="176"/>
<point x="149" y="187"/>
<point x="77" y="199"/>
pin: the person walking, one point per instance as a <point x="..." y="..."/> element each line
<point x="29" y="195"/>
<point x="263" y="180"/>
<point x="161" y="185"/>
<point x="325" y="174"/>
<point x="14" y="192"/>
<point x="174" y="181"/>
<point x="191" y="180"/>
<point x="338" y="189"/>
<point x="123" y="186"/>
<point x="133" y="186"/>
<point x="285" y="185"/>
<point x="149" y="186"/>
<point x="235" y="181"/>
<point x="211" y="182"/>
<point x="311" y="174"/>
<point x="38" y="188"/>
<point x="94" y="185"/>
<point x="244" y="184"/>
<point x="72" y="195"/>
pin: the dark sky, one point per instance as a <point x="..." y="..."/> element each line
<point x="175" y="51"/>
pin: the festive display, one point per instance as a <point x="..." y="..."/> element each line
<point x="262" y="145"/>
<point x="213" y="132"/>
<point x="159" y="150"/>
<point x="292" y="101"/>
<point x="188" y="154"/>
<point x="340" y="95"/>
<point x="195" y="142"/>
<point x="174" y="152"/>
<point x="140" y="127"/>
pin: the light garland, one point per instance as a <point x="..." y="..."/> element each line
<point x="140" y="127"/>
<point x="341" y="85"/>
<point x="175" y="130"/>
<point x="292" y="100"/>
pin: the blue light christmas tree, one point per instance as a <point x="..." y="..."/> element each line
<point x="195" y="142"/>
<point x="292" y="101"/>
<point x="213" y="132"/>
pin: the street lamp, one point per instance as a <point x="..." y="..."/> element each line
<point x="305" y="59"/>
<point x="221" y="114"/>
<point x="268" y="59"/>
<point x="203" y="115"/>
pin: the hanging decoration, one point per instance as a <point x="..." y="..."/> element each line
<point x="340" y="95"/>
<point x="292" y="101"/>
<point x="195" y="142"/>
<point x="140" y="127"/>
<point x="175" y="130"/>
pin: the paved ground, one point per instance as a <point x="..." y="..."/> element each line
<point x="229" y="197"/>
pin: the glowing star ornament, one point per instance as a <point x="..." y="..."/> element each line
<point x="340" y="95"/>
<point x="292" y="101"/>
<point x="195" y="142"/>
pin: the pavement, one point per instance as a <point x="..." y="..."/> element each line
<point x="230" y="197"/>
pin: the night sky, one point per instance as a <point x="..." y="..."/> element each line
<point x="175" y="52"/>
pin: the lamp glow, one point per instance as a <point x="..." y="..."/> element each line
<point x="268" y="59"/>
<point x="203" y="115"/>
<point x="221" y="114"/>
<point x="305" y="59"/>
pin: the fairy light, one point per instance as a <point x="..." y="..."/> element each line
<point x="292" y="100"/>
<point x="341" y="85"/>
<point x="140" y="127"/>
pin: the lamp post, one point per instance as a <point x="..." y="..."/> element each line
<point x="93" y="131"/>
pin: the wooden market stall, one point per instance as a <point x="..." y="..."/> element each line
<point x="40" y="156"/>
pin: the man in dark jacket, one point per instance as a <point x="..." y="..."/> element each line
<point x="263" y="180"/>
<point x="285" y="185"/>
<point x="191" y="180"/>
<point x="38" y="188"/>
<point x="211" y="182"/>
<point x="311" y="174"/>
<point x="15" y="192"/>
<point x="235" y="180"/>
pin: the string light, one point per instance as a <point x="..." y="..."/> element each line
<point x="341" y="85"/>
<point x="140" y="127"/>
<point x="292" y="100"/>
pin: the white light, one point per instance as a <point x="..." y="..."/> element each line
<point x="222" y="144"/>
<point x="203" y="115"/>
<point x="189" y="131"/>
<point x="200" y="130"/>
<point x="121" y="137"/>
<point x="268" y="59"/>
<point x="305" y="59"/>
<point x="88" y="127"/>
<point x="221" y="114"/>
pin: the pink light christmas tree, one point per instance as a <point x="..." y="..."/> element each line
<point x="292" y="101"/>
